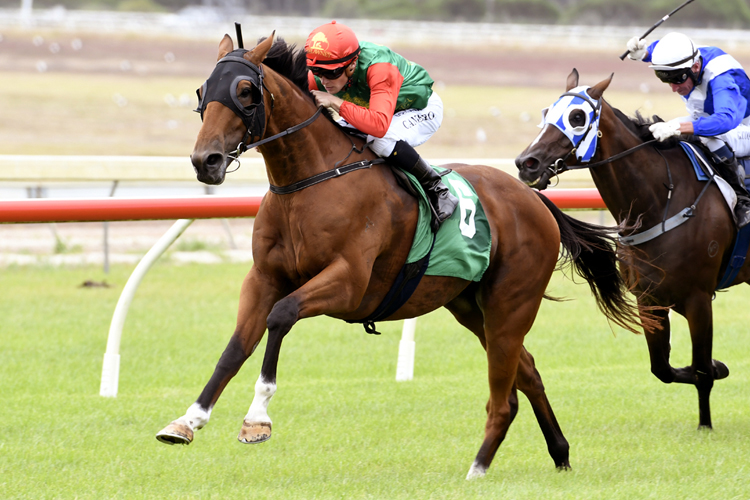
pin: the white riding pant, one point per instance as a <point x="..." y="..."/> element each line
<point x="738" y="139"/>
<point x="414" y="126"/>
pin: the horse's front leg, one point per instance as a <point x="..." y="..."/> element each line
<point x="339" y="288"/>
<point x="256" y="300"/>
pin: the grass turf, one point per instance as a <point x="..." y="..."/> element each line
<point x="343" y="428"/>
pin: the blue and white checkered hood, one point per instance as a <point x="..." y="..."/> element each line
<point x="558" y="113"/>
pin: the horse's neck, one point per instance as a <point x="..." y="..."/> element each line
<point x="306" y="152"/>
<point x="633" y="184"/>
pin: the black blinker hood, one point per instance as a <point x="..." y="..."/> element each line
<point x="221" y="86"/>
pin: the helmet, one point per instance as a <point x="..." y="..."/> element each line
<point x="674" y="51"/>
<point x="331" y="46"/>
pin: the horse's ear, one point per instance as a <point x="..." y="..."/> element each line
<point x="597" y="90"/>
<point x="225" y="46"/>
<point x="572" y="80"/>
<point x="257" y="55"/>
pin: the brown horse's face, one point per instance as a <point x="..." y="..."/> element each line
<point x="535" y="163"/>
<point x="232" y="112"/>
<point x="221" y="133"/>
<point x="544" y="157"/>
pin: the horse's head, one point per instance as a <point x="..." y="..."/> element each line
<point x="570" y="128"/>
<point x="232" y="108"/>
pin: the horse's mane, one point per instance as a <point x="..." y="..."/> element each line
<point x="639" y="124"/>
<point x="284" y="59"/>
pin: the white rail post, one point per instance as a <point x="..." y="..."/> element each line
<point x="406" y="348"/>
<point x="111" y="366"/>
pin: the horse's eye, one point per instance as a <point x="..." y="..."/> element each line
<point x="577" y="118"/>
<point x="245" y="93"/>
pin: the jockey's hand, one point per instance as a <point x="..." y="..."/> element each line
<point x="327" y="100"/>
<point x="637" y="49"/>
<point x="664" y="130"/>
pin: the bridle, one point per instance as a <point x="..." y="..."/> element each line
<point x="221" y="86"/>
<point x="233" y="68"/>
<point x="666" y="224"/>
<point x="560" y="165"/>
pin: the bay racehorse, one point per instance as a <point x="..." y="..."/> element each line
<point x="653" y="187"/>
<point x="327" y="242"/>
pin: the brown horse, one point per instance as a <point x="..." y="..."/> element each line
<point x="335" y="247"/>
<point x="654" y="187"/>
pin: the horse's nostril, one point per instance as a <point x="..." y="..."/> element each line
<point x="214" y="160"/>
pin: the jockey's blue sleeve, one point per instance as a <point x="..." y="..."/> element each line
<point x="728" y="107"/>
<point x="649" y="51"/>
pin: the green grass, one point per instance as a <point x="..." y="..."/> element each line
<point x="343" y="428"/>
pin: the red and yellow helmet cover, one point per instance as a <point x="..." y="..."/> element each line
<point x="331" y="46"/>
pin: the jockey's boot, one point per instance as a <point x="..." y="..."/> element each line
<point x="728" y="168"/>
<point x="442" y="202"/>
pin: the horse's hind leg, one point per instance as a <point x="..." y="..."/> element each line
<point x="467" y="312"/>
<point x="699" y="315"/>
<point x="659" y="348"/>
<point x="530" y="383"/>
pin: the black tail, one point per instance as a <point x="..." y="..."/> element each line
<point x="592" y="251"/>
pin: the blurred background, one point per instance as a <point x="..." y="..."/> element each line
<point x="714" y="13"/>
<point x="97" y="96"/>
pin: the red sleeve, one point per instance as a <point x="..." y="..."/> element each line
<point x="311" y="81"/>
<point x="385" y="82"/>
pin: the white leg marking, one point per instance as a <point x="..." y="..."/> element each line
<point x="196" y="416"/>
<point x="476" y="471"/>
<point x="258" y="411"/>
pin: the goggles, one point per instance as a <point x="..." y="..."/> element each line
<point x="328" y="74"/>
<point x="675" y="77"/>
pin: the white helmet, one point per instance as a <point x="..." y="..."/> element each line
<point x="674" y="51"/>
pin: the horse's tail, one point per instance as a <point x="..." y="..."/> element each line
<point x="592" y="251"/>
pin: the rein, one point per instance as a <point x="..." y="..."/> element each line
<point x="559" y="166"/>
<point x="242" y="147"/>
<point x="234" y="67"/>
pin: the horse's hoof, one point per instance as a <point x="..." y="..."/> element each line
<point x="720" y="369"/>
<point x="175" y="433"/>
<point x="253" y="433"/>
<point x="562" y="467"/>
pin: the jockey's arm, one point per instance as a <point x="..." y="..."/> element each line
<point x="729" y="108"/>
<point x="384" y="81"/>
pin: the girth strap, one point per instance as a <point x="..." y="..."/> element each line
<point x="324" y="176"/>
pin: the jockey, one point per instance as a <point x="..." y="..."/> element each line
<point x="716" y="91"/>
<point x="369" y="88"/>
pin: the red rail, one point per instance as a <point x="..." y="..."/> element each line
<point x="576" y="198"/>
<point x="116" y="209"/>
<point x="206" y="207"/>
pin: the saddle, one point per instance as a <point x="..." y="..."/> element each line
<point x="742" y="237"/>
<point x="460" y="249"/>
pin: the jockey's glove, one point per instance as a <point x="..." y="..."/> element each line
<point x="664" y="130"/>
<point x="637" y="48"/>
